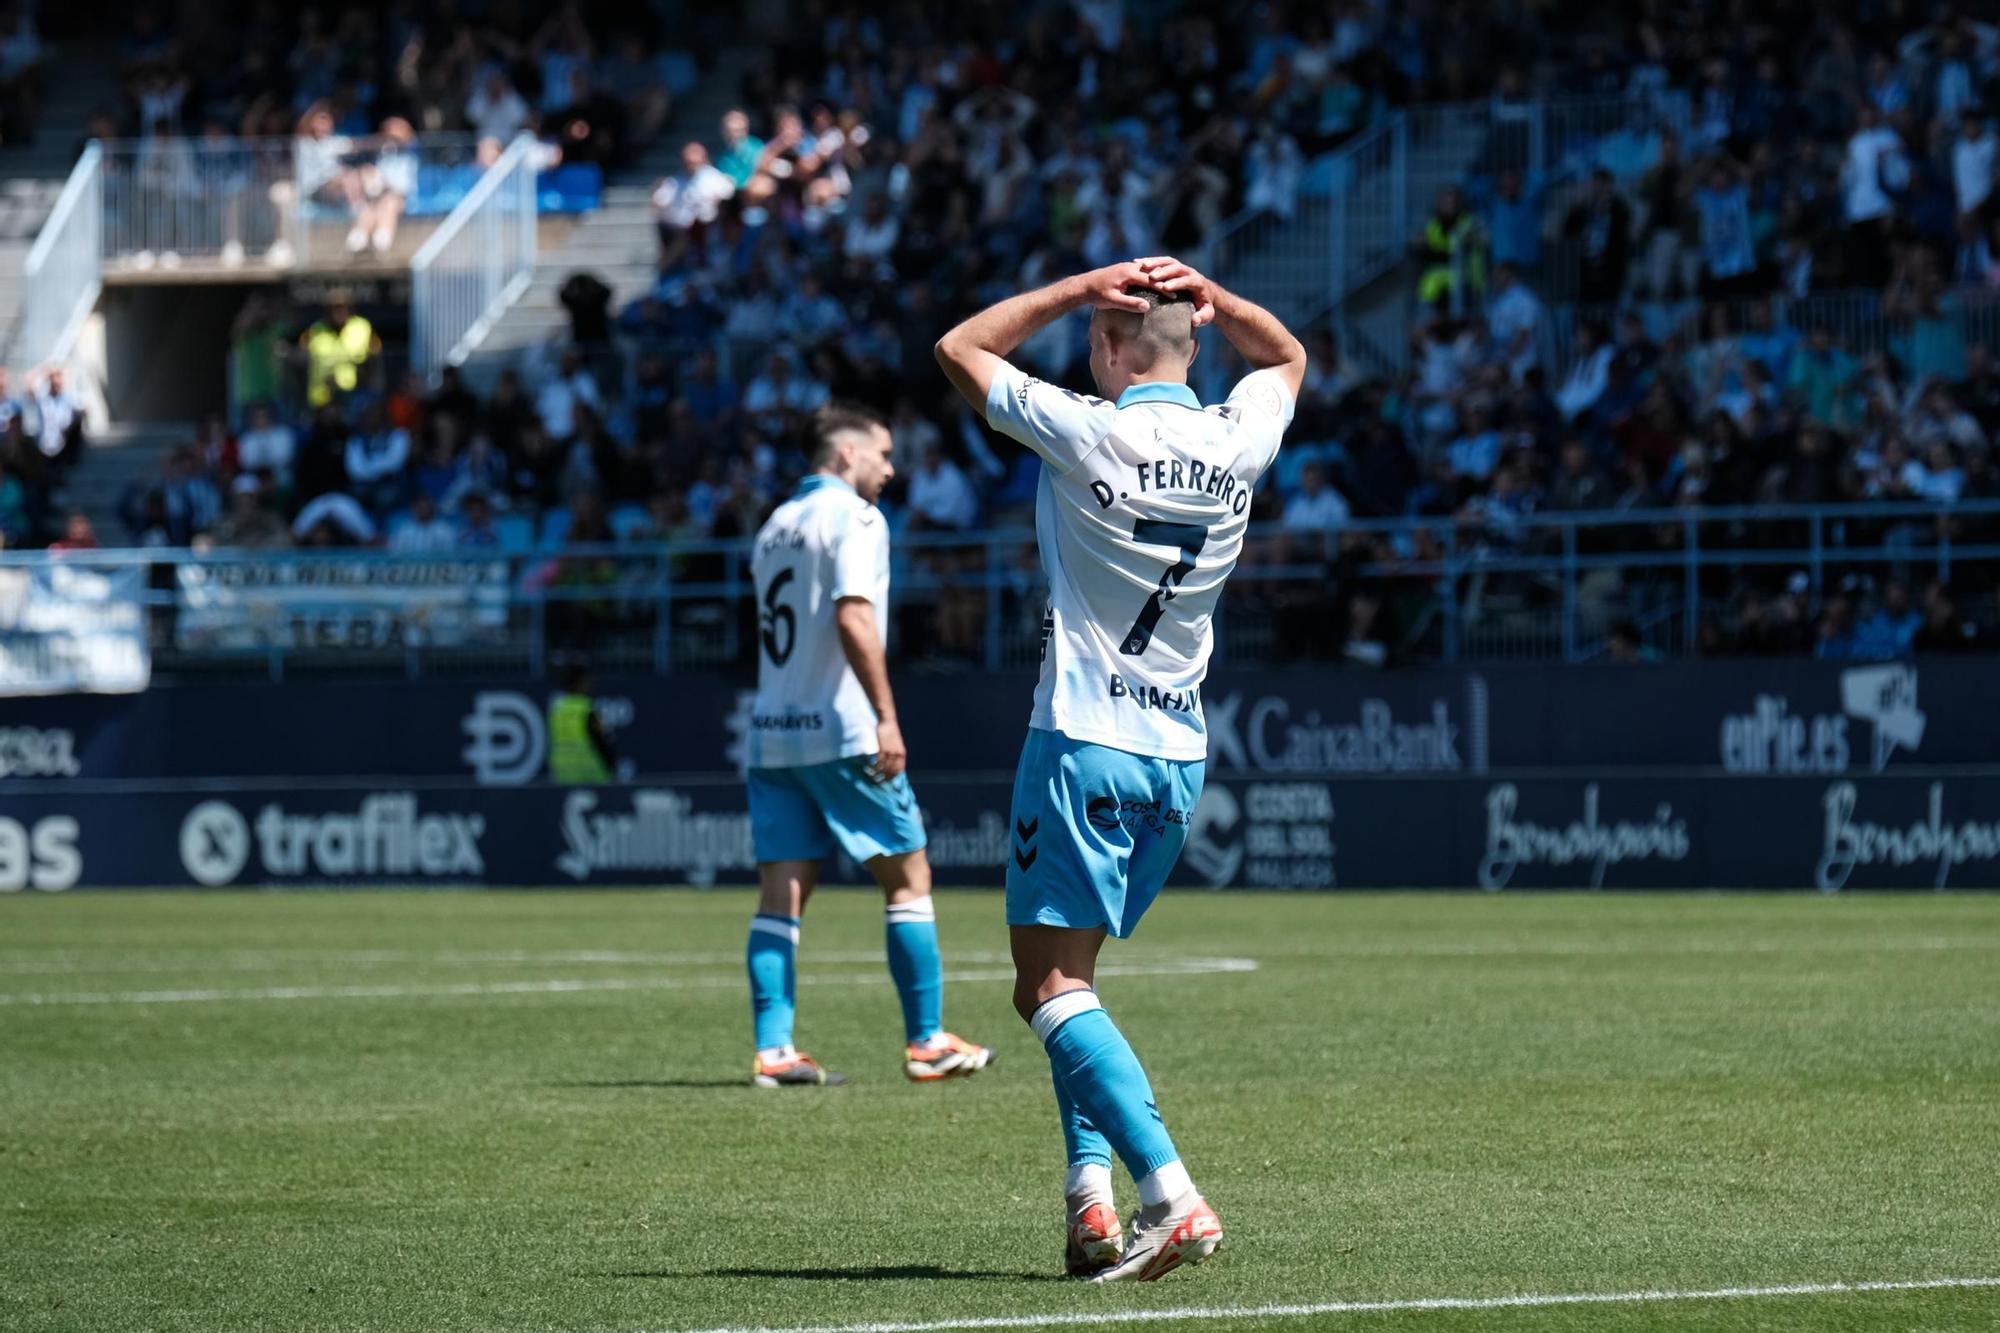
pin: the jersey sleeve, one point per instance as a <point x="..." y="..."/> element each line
<point x="1262" y="407"/>
<point x="861" y="560"/>
<point x="1063" y="427"/>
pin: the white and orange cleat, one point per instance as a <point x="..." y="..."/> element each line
<point x="1184" y="1232"/>
<point x="1095" y="1239"/>
<point x="793" y="1069"/>
<point x="944" y="1056"/>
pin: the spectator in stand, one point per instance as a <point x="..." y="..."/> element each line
<point x="687" y="202"/>
<point x="1728" y="252"/>
<point x="1273" y="168"/>
<point x="476" y="530"/>
<point x="940" y="498"/>
<point x="571" y="387"/>
<point x="1601" y="224"/>
<point x="1514" y="322"/>
<point x="1514" y="222"/>
<point x="15" y="525"/>
<point x="334" y="519"/>
<point x="496" y="111"/>
<point x="267" y="446"/>
<point x="20" y="75"/>
<point x="1874" y="169"/>
<point x="250" y="524"/>
<point x="1975" y="156"/>
<point x="1317" y="507"/>
<point x="59" y="418"/>
<point x="1893" y="628"/>
<point x="78" y="534"/>
<point x="870" y="239"/>
<point x="741" y="150"/>
<point x="378" y="462"/>
<point x="425" y="531"/>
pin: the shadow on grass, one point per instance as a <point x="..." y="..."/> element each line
<point x="858" y="1273"/>
<point x="660" y="1083"/>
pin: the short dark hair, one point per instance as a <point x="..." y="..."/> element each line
<point x="841" y="418"/>
<point x="1164" y="332"/>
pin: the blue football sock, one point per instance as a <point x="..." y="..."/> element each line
<point x="1094" y="1063"/>
<point x="1081" y="1139"/>
<point x="772" y="956"/>
<point x="914" y="963"/>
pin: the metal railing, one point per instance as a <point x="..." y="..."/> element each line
<point x="1860" y="322"/>
<point x="1354" y="218"/>
<point x="64" y="270"/>
<point x="1545" y="586"/>
<point x="476" y="264"/>
<point x="172" y="201"/>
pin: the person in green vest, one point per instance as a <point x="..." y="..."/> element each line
<point x="1451" y="251"/>
<point x="579" y="752"/>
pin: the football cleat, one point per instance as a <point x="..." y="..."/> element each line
<point x="797" y="1070"/>
<point x="945" y="1056"/>
<point x="1184" y="1233"/>
<point x="1095" y="1238"/>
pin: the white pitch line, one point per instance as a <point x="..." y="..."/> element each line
<point x="251" y="960"/>
<point x="1165" y="968"/>
<point x="36" y="962"/>
<point x="1177" y="1314"/>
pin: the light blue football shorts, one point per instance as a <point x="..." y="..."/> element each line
<point x="1096" y="831"/>
<point x="797" y="813"/>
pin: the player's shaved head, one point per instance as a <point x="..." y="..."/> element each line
<point x="1160" y="339"/>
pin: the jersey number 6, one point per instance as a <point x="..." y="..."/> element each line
<point x="1190" y="538"/>
<point x="776" y="613"/>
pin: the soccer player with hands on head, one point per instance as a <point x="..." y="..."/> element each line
<point x="1140" y="516"/>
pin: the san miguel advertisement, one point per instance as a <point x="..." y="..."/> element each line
<point x="1780" y="775"/>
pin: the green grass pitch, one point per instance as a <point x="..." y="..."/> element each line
<point x="528" y="1111"/>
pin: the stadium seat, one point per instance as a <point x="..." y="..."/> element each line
<point x="517" y="532"/>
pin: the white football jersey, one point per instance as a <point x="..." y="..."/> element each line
<point x="1140" y="517"/>
<point x="823" y="544"/>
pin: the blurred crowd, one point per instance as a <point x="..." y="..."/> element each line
<point x="1633" y="341"/>
<point x="594" y="79"/>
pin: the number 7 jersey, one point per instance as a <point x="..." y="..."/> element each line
<point x="823" y="544"/>
<point x="1140" y="517"/>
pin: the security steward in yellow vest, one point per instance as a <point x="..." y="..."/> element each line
<point x="1452" y="250"/>
<point x="580" y="753"/>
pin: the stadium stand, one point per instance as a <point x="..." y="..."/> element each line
<point x="1611" y="261"/>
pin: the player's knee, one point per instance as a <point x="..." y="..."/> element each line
<point x="1027" y="997"/>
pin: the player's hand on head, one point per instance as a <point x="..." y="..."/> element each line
<point x="1106" y="287"/>
<point x="1172" y="275"/>
<point x="891" y="755"/>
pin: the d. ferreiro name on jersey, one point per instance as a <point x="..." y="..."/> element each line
<point x="1168" y="474"/>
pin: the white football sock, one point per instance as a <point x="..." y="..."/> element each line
<point x="1091" y="1180"/>
<point x="1165" y="1184"/>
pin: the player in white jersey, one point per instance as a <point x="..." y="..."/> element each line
<point x="826" y="756"/>
<point x="1140" y="514"/>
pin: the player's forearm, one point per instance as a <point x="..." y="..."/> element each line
<point x="972" y="352"/>
<point x="1256" y="334"/>
<point x="862" y="646"/>
<point x="1002" y="327"/>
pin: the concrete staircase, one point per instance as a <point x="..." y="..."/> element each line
<point x="118" y="455"/>
<point x="80" y="79"/>
<point x="619" y="243"/>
